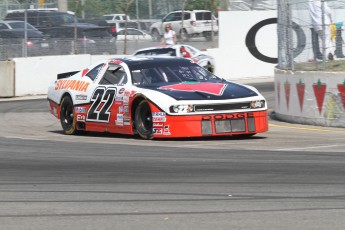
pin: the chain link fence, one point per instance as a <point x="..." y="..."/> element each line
<point x="310" y="35"/>
<point x="80" y="44"/>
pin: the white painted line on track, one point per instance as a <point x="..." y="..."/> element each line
<point x="313" y="147"/>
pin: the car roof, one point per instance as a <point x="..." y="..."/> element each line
<point x="177" y="46"/>
<point x="134" y="60"/>
<point x="194" y="11"/>
<point x="10" y="21"/>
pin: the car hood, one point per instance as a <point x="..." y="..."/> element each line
<point x="204" y="90"/>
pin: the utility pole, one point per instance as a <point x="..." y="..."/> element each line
<point x="150" y="8"/>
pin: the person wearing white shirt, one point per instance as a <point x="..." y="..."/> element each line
<point x="321" y="25"/>
<point x="169" y="37"/>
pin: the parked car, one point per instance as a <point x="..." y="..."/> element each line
<point x="155" y="97"/>
<point x="133" y="35"/>
<point x="12" y="40"/>
<point x="90" y="39"/>
<point x="186" y="51"/>
<point x="42" y="19"/>
<point x="115" y="17"/>
<point x="195" y="23"/>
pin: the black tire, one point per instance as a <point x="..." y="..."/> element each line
<point x="184" y="37"/>
<point x="208" y="36"/>
<point x="143" y="120"/>
<point x="244" y="136"/>
<point x="155" y="35"/>
<point x="67" y="116"/>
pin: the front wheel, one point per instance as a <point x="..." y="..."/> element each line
<point x="143" y="120"/>
<point x="67" y="116"/>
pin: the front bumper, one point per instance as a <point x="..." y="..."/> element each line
<point x="227" y="124"/>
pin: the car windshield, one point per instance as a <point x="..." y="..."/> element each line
<point x="173" y="73"/>
<point x="20" y="25"/>
<point x="157" y="52"/>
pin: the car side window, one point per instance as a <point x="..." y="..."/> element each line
<point x="186" y="16"/>
<point x="3" y="26"/>
<point x="114" y="75"/>
<point x="94" y="72"/>
<point x="178" y="17"/>
<point x="170" y="17"/>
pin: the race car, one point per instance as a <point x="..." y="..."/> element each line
<point x="155" y="97"/>
<point x="200" y="57"/>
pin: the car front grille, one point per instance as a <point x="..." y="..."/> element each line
<point x="228" y="123"/>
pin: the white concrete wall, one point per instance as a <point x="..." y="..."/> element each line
<point x="316" y="98"/>
<point x="233" y="59"/>
<point x="33" y="75"/>
<point x="7" y="69"/>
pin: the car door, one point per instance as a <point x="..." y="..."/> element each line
<point x="108" y="101"/>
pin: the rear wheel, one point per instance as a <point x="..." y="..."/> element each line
<point x="208" y="36"/>
<point x="67" y="116"/>
<point x="143" y="120"/>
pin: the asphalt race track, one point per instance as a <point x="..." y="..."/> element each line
<point x="292" y="177"/>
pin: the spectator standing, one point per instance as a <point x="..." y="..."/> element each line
<point x="321" y="17"/>
<point x="169" y="37"/>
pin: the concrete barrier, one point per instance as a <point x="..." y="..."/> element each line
<point x="313" y="97"/>
<point x="7" y="80"/>
<point x="31" y="76"/>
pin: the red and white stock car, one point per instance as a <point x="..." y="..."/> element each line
<point x="155" y="97"/>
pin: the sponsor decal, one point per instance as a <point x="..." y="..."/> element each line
<point x="157" y="131"/>
<point x="226" y="116"/>
<point x="300" y="91"/>
<point x="341" y="88"/>
<point x="119" y="120"/>
<point x="121" y="90"/>
<point x="157" y="124"/>
<point x="319" y="91"/>
<point x="81" y="117"/>
<point x="80" y="110"/>
<point x="120" y="109"/>
<point x="126" y="109"/>
<point x="119" y="98"/>
<point x="166" y="130"/>
<point x="159" y="117"/>
<point x="76" y="85"/>
<point x="158" y="114"/>
<point x="81" y="97"/>
<point x="210" y="88"/>
<point x="125" y="99"/>
<point x="116" y="62"/>
<point x="287" y="93"/>
<point x="126" y="120"/>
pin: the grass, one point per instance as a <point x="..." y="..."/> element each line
<point x="330" y="66"/>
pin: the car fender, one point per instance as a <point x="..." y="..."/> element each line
<point x="161" y="100"/>
<point x="157" y="26"/>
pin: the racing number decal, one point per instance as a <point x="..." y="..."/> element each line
<point x="102" y="99"/>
